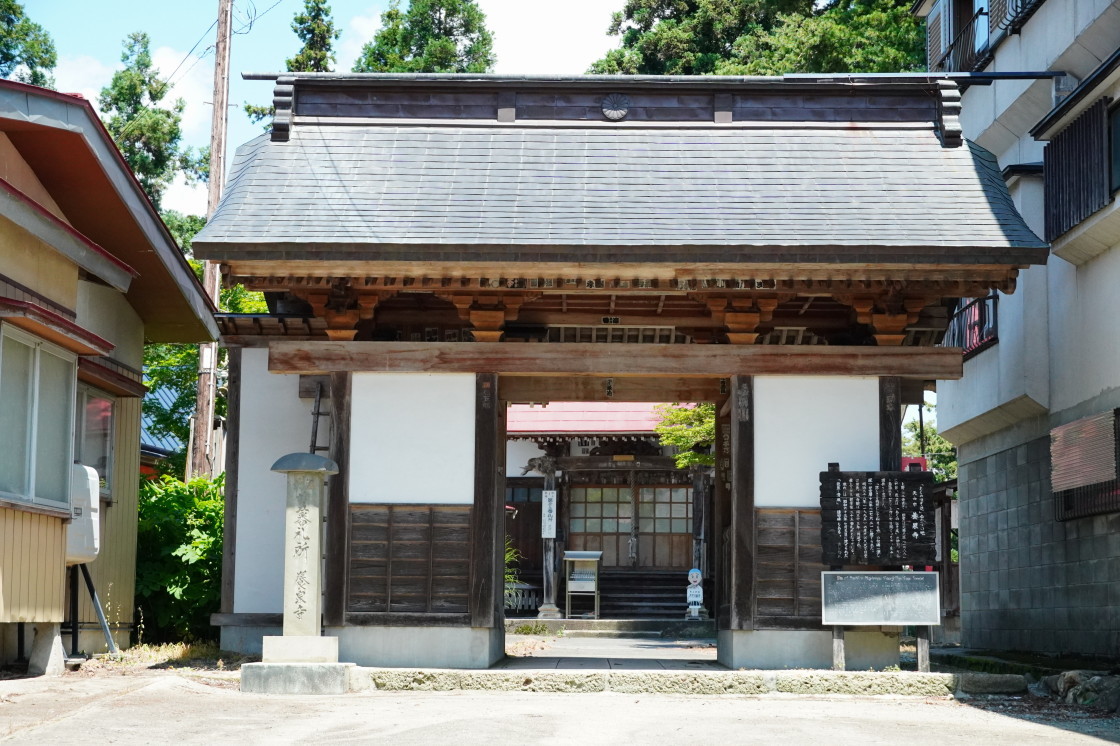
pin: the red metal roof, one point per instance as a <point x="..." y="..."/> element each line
<point x="582" y="417"/>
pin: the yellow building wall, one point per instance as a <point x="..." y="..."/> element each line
<point x="32" y="567"/>
<point x="114" y="570"/>
<point x="34" y="264"/>
<point x="24" y="258"/>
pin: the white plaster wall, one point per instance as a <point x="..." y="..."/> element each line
<point x="1052" y="352"/>
<point x="518" y="453"/>
<point x="274" y="422"/>
<point x="803" y="423"/>
<point x="1085" y="337"/>
<point x="412" y="438"/>
<point x="106" y="313"/>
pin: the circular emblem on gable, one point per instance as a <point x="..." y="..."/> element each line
<point x="616" y="106"/>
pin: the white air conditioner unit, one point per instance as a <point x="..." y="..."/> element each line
<point x="83" y="535"/>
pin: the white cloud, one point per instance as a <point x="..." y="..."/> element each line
<point x="530" y="36"/>
<point x="357" y="31"/>
<point x="83" y="75"/>
<point x="541" y="37"/>
<point x="184" y="198"/>
<point x="194" y="83"/>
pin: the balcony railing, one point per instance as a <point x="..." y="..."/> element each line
<point x="973" y="45"/>
<point x="974" y="327"/>
<point x="962" y="54"/>
<point x="1010" y="15"/>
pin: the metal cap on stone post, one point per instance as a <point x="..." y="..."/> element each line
<point x="302" y="530"/>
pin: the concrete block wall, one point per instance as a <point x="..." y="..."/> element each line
<point x="1029" y="581"/>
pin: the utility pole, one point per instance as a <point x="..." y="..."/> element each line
<point x="202" y="433"/>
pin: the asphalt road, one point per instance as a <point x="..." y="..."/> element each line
<point x="167" y="708"/>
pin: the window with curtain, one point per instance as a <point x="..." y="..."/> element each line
<point x="37" y="383"/>
<point x="93" y="434"/>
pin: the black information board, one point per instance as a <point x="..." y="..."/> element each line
<point x="877" y="517"/>
<point x="869" y="598"/>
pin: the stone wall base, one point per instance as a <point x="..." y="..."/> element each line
<point x="864" y="649"/>
<point x="421" y="647"/>
<point x="246" y="640"/>
<point x="296" y="678"/>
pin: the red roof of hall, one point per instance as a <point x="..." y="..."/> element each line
<point x="582" y="417"/>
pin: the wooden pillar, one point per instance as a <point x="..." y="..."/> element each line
<point x="721" y="517"/>
<point x="548" y="608"/>
<point x="922" y="635"/>
<point x="229" y="520"/>
<point x="336" y="580"/>
<point x="890" y="423"/>
<point x="488" y="512"/>
<point x="741" y="565"/>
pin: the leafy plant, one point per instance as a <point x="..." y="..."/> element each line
<point x="941" y="453"/>
<point x="691" y="428"/>
<point x="179" y="557"/>
<point x="512" y="557"/>
<point x="27" y="52"/>
<point x="535" y="628"/>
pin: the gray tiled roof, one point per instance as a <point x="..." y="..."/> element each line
<point x="739" y="194"/>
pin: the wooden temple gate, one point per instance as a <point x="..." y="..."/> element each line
<point x="478" y="240"/>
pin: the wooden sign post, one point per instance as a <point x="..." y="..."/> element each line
<point x="885" y="518"/>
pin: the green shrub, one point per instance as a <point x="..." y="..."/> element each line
<point x="179" y="558"/>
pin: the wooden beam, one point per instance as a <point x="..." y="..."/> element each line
<point x="589" y="359"/>
<point x="890" y="423"/>
<point x="233" y="450"/>
<point x="529" y="389"/>
<point x="337" y="576"/>
<point x="488" y="512"/>
<point x="741" y="561"/>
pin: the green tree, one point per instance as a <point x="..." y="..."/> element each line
<point x="686" y="37"/>
<point x="27" y="53"/>
<point x="173" y="368"/>
<point x="691" y="429"/>
<point x="941" y="453"/>
<point x="149" y="136"/>
<point x="179" y="558"/>
<point x="315" y="28"/>
<point x="432" y="36"/>
<point x="764" y="37"/>
<point x="865" y="36"/>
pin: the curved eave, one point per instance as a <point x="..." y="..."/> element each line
<point x="63" y="141"/>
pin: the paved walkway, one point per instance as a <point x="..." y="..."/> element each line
<point x="609" y="653"/>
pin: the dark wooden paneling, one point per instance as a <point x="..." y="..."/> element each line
<point x="233" y="454"/>
<point x="336" y="578"/>
<point x="741" y="558"/>
<point x="488" y="516"/>
<point x="890" y="423"/>
<point x="788" y="569"/>
<point x="409" y="558"/>
<point x="1076" y="170"/>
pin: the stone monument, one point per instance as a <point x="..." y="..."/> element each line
<point x="301" y="661"/>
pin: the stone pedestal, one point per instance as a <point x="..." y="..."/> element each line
<point x="301" y="661"/>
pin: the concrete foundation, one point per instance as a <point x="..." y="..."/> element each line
<point x="246" y="640"/>
<point x="436" y="647"/>
<point x="777" y="649"/>
<point x="47" y="657"/>
<point x="296" y="678"/>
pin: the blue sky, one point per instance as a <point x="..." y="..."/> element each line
<point x="530" y="36"/>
